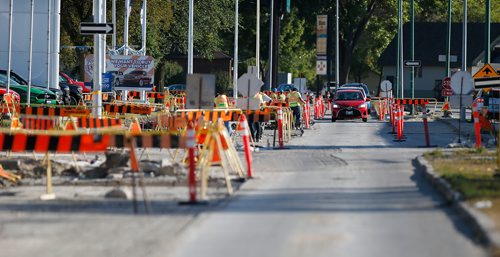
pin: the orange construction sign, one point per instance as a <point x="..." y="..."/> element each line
<point x="487" y="71"/>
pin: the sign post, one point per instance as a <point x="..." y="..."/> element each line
<point x="446" y="90"/>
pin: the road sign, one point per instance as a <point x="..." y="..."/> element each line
<point x="412" y="63"/>
<point x="90" y="28"/>
<point x="321" y="67"/>
<point x="486" y="77"/>
<point x="200" y="89"/>
<point x="385" y="86"/>
<point x="249" y="85"/>
<point x="447" y="91"/>
<point x="486" y="72"/>
<point x="462" y="83"/>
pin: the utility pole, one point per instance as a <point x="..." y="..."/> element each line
<point x="400" y="87"/>
<point x="113" y="18"/>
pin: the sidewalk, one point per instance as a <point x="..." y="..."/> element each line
<point x="466" y="128"/>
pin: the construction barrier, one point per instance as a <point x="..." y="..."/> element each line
<point x="38" y="123"/>
<point x="280" y="129"/>
<point x="212" y="115"/>
<point x="113" y="109"/>
<point x="83" y="122"/>
<point x="477" y="125"/>
<point x="62" y="111"/>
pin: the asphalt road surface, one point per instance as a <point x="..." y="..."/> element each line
<point x="343" y="189"/>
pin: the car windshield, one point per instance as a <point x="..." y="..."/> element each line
<point x="348" y="95"/>
<point x="364" y="87"/>
<point x="3" y="80"/>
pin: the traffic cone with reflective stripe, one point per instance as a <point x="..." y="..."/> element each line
<point x="243" y="128"/>
<point x="477" y="125"/>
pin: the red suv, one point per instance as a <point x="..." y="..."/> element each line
<point x="349" y="104"/>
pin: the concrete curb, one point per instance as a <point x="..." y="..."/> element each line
<point x="483" y="226"/>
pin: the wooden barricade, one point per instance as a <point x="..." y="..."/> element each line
<point x="55" y="111"/>
<point x="113" y="109"/>
<point x="212" y="115"/>
<point x="38" y="123"/>
<point x="96" y="123"/>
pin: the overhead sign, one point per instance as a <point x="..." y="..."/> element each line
<point x="487" y="77"/>
<point x="412" y="63"/>
<point x="321" y="67"/>
<point x="90" y="28"/>
<point x="462" y="83"/>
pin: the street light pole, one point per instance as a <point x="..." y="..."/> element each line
<point x="190" y="38"/>
<point x="412" y="46"/>
<point x="487" y="49"/>
<point x="271" y="17"/>
<point x="257" y="41"/>
<point x="337" y="58"/>
<point x="448" y="41"/>
<point x="464" y="39"/>
<point x="235" y="64"/>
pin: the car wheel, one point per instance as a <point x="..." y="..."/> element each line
<point x="334" y="120"/>
<point x="72" y="101"/>
<point x="365" y="119"/>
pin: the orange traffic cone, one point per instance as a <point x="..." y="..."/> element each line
<point x="70" y="125"/>
<point x="135" y="128"/>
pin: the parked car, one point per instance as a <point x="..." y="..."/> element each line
<point x="16" y="96"/>
<point x="135" y="77"/>
<point x="366" y="90"/>
<point x="64" y="78"/>
<point x="490" y="99"/>
<point x="349" y="104"/>
<point x="72" y="93"/>
<point x="59" y="94"/>
<point x="177" y="87"/>
<point x="38" y="95"/>
<point x="285" y="87"/>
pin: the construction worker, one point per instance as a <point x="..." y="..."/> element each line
<point x="274" y="94"/>
<point x="256" y="129"/>
<point x="221" y="101"/>
<point x="282" y="96"/>
<point x="295" y="101"/>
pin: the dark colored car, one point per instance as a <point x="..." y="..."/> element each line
<point x="285" y="87"/>
<point x="64" y="78"/>
<point x="135" y="77"/>
<point x="177" y="87"/>
<point x="72" y="93"/>
<point x="349" y="104"/>
<point x="366" y="90"/>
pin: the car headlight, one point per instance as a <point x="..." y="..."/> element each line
<point x="335" y="106"/>
<point x="362" y="106"/>
<point x="80" y="90"/>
